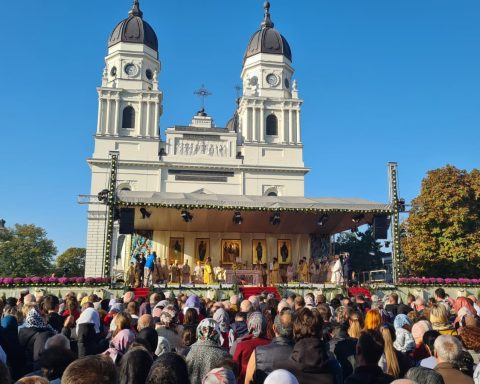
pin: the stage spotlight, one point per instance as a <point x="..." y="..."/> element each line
<point x="237" y="218"/>
<point x="103" y="196"/>
<point x="186" y="216"/>
<point x="357" y="218"/>
<point x="145" y="213"/>
<point x="322" y="220"/>
<point x="275" y="219"/>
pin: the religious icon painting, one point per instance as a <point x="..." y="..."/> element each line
<point x="259" y="251"/>
<point x="175" y="250"/>
<point x="202" y="250"/>
<point x="231" y="251"/>
<point x="284" y="251"/>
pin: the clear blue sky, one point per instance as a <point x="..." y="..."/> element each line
<point x="382" y="81"/>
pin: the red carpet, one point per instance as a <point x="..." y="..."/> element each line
<point x="141" y="292"/>
<point x="354" y="291"/>
<point x="253" y="291"/>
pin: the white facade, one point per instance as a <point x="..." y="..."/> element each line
<point x="259" y="153"/>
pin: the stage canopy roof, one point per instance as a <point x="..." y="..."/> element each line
<point x="214" y="212"/>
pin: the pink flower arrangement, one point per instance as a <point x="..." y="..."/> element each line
<point x="55" y="281"/>
<point x="438" y="281"/>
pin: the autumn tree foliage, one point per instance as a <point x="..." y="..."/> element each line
<point x="442" y="232"/>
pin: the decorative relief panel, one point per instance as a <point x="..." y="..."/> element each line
<point x="211" y="148"/>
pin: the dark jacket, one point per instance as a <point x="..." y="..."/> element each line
<point x="265" y="356"/>
<point x="32" y="343"/>
<point x="344" y="349"/>
<point x="309" y="362"/>
<point x="56" y="321"/>
<point x="10" y="344"/>
<point x="369" y="375"/>
<point x="451" y="375"/>
<point x="85" y="342"/>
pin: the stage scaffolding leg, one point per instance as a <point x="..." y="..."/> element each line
<point x="112" y="197"/>
<point x="395" y="225"/>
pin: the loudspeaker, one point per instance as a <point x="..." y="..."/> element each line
<point x="127" y="220"/>
<point x="380" y="227"/>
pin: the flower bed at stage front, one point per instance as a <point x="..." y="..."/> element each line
<point x="439" y="281"/>
<point x="11" y="282"/>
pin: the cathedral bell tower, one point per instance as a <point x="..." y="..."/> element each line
<point x="269" y="110"/>
<point x="130" y="103"/>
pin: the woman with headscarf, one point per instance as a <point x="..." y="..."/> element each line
<point x="119" y="345"/>
<point x="220" y="376"/>
<point x="32" y="339"/>
<point x="88" y="332"/>
<point x="223" y="320"/>
<point x="403" y="337"/>
<point x="167" y="327"/>
<point x="418" y="330"/>
<point x="462" y="307"/>
<point x="207" y="352"/>
<point x="257" y="329"/>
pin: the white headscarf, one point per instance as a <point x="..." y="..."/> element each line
<point x="281" y="376"/>
<point x="89" y="316"/>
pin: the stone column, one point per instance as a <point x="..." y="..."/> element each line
<point x="107" y="122"/>
<point x="147" y="126"/>
<point x="262" y="124"/>
<point x="290" y="126"/>
<point x="283" y="126"/>
<point x="299" y="137"/>
<point x="117" y="116"/>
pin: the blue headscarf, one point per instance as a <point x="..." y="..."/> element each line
<point x="400" y="321"/>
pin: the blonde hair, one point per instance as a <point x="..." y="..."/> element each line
<point x="438" y="314"/>
<point x="393" y="367"/>
<point x="373" y="320"/>
<point x="354" y="327"/>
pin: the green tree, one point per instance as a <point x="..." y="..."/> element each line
<point x="25" y="251"/>
<point x="443" y="228"/>
<point x="365" y="251"/>
<point x="72" y="261"/>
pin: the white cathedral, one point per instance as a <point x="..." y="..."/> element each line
<point x="258" y="154"/>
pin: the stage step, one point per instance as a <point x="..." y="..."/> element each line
<point x="141" y="292"/>
<point x="254" y="291"/>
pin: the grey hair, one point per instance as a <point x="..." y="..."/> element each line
<point x="57" y="340"/>
<point x="282" y="330"/>
<point x="424" y="375"/>
<point x="448" y="349"/>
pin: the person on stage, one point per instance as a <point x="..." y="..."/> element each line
<point x="198" y="273"/>
<point x="289" y="272"/>
<point x="131" y="274"/>
<point x="303" y="267"/>
<point x="174" y="272"/>
<point x="185" y="273"/>
<point x="346" y="267"/>
<point x="208" y="272"/>
<point x="337" y="271"/>
<point x="323" y="270"/>
<point x="141" y="269"/>
<point x="274" y="272"/>
<point x="312" y="271"/>
<point x="330" y="264"/>
<point x="149" y="267"/>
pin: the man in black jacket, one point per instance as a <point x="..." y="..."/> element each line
<point x="370" y="347"/>
<point x="261" y="361"/>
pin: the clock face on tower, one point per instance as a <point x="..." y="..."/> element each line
<point x="272" y="79"/>
<point x="131" y="69"/>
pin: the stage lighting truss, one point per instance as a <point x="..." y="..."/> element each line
<point x="322" y="220"/>
<point x="145" y="213"/>
<point x="275" y="219"/>
<point x="237" y="218"/>
<point x="186" y="216"/>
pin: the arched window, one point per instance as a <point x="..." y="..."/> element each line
<point x="128" y="119"/>
<point x="272" y="125"/>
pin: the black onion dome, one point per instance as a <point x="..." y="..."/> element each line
<point x="134" y="30"/>
<point x="267" y="39"/>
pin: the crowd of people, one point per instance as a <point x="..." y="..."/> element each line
<point x="191" y="340"/>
